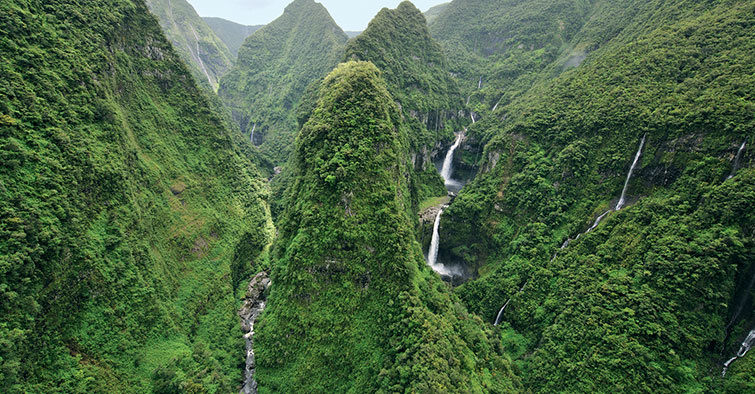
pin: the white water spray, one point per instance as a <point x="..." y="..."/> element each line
<point x="251" y="138"/>
<point x="622" y="200"/>
<point x="447" y="170"/>
<point x="432" y="253"/>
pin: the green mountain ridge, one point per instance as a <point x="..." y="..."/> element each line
<point x="207" y="55"/>
<point x="354" y="307"/>
<point x="414" y="67"/>
<point x="233" y="34"/>
<point x="128" y="209"/>
<point x="150" y="229"/>
<point x="642" y="303"/>
<point x="274" y="67"/>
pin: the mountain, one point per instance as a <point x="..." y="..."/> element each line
<point x="128" y="210"/>
<point x="274" y="67"/>
<point x="354" y="307"/>
<point x="352" y="34"/>
<point x="434" y="12"/>
<point x="414" y="67"/>
<point x="205" y="53"/>
<point x="609" y="212"/>
<point x="233" y="34"/>
<point x="499" y="48"/>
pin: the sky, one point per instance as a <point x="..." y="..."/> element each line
<point x="351" y="15"/>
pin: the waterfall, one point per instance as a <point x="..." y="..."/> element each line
<point x="496" y="104"/>
<point x="251" y="138"/>
<point x="737" y="158"/>
<point x="503" y="308"/>
<point x="447" y="170"/>
<point x="479" y="85"/>
<point x="743" y="349"/>
<point x="471" y="115"/>
<point x="432" y="253"/>
<point x="597" y="221"/>
<point x="622" y="201"/>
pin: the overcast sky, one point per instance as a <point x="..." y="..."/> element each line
<point x="349" y="14"/>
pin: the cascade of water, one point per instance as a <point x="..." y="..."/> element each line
<point x="743" y="349"/>
<point x="737" y="158"/>
<point x="432" y="253"/>
<point x="622" y="201"/>
<point x="479" y="85"/>
<point x="447" y="170"/>
<point x="251" y="138"/>
<point x="251" y="308"/>
<point x="503" y="308"/>
<point x="597" y="221"/>
<point x="496" y="104"/>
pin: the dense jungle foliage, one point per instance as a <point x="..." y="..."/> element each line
<point x="274" y="67"/>
<point x="134" y="208"/>
<point x="414" y="68"/>
<point x="354" y="307"/>
<point x="650" y="300"/>
<point x="127" y="209"/>
<point x="205" y="53"/>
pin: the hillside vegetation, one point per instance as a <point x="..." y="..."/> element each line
<point x="233" y="34"/>
<point x="275" y="65"/>
<point x="207" y="55"/>
<point x="127" y="213"/>
<point x="648" y="300"/>
<point x="354" y="307"/>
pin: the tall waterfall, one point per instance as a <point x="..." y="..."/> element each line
<point x="432" y="253"/>
<point x="743" y="349"/>
<point x="447" y="170"/>
<point x="737" y="158"/>
<point x="622" y="200"/>
<point x="251" y="137"/>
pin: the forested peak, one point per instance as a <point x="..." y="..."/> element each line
<point x="405" y="12"/>
<point x="354" y="121"/>
<point x="299" y="7"/>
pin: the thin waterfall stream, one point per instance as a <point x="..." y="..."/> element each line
<point x="620" y="204"/>
<point x="737" y="158"/>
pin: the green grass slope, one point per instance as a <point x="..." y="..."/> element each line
<point x="642" y="303"/>
<point x="353" y="306"/>
<point x="275" y="65"/>
<point x="127" y="209"/>
<point x="206" y="54"/>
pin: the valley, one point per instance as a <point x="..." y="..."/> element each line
<point x="491" y="196"/>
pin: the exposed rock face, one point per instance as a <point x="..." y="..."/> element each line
<point x="254" y="304"/>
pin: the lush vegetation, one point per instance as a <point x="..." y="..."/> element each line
<point x="354" y="307"/>
<point x="126" y="205"/>
<point x="414" y="67"/>
<point x="206" y="54"/>
<point x="232" y="33"/>
<point x="644" y="303"/>
<point x="275" y="65"/>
